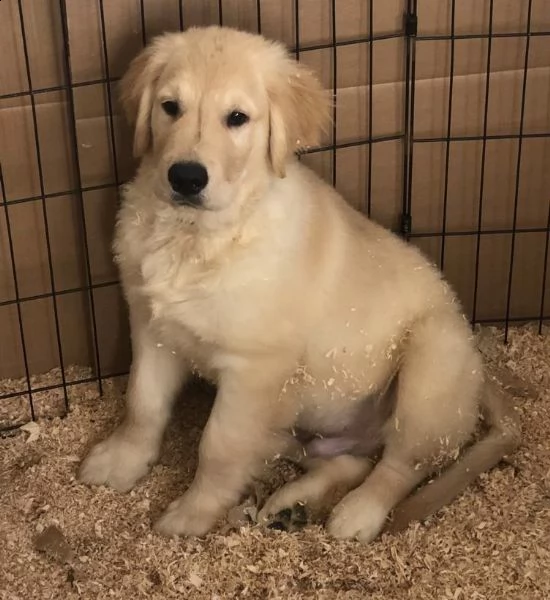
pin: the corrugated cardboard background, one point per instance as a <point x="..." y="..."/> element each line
<point x="59" y="175"/>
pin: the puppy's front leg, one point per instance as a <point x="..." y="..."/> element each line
<point x="155" y="377"/>
<point x="245" y="428"/>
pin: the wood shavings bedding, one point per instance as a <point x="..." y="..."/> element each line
<point x="59" y="539"/>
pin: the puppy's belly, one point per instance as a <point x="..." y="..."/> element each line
<point x="357" y="430"/>
<point x="363" y="436"/>
<point x="327" y="419"/>
<point x="343" y="420"/>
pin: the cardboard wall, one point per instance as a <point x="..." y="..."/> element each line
<point x="46" y="157"/>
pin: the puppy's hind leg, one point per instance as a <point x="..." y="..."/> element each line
<point x="362" y="513"/>
<point x="436" y="411"/>
<point x="502" y="438"/>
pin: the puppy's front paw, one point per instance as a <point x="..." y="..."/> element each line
<point x="357" y="517"/>
<point x="116" y="462"/>
<point x="185" y="517"/>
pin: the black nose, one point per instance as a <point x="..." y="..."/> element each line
<point x="187" y="178"/>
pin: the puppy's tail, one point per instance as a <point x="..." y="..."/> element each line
<point x="502" y="438"/>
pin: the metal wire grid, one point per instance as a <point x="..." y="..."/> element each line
<point x="409" y="32"/>
<point x="411" y="141"/>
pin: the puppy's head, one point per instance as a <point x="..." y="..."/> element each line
<point x="218" y="112"/>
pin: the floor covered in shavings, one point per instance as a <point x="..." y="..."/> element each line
<point x="60" y="539"/>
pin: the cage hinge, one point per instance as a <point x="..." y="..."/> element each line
<point x="411" y="24"/>
<point x="406" y="225"/>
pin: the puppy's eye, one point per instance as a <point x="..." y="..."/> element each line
<point x="171" y="107"/>
<point x="236" y="119"/>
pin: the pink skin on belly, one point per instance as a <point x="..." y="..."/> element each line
<point x="362" y="437"/>
<point x="330" y="446"/>
<point x="364" y="443"/>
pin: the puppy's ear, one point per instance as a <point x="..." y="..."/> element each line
<point x="136" y="91"/>
<point x="300" y="110"/>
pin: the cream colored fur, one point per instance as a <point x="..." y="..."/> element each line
<point x="297" y="306"/>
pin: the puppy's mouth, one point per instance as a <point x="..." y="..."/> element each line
<point x="196" y="201"/>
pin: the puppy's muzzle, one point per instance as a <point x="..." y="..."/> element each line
<point x="187" y="180"/>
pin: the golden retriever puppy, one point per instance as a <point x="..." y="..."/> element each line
<point x="240" y="263"/>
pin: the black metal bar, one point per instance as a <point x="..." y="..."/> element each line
<point x="55" y="88"/>
<point x="57" y="293"/>
<point x="483" y="158"/>
<point x="384" y="138"/>
<point x="43" y="201"/>
<point x="259" y="16"/>
<point x="476" y="138"/>
<point x="180" y="14"/>
<point x="105" y="186"/>
<point x="334" y="89"/>
<point x="47" y="388"/>
<point x="483" y="36"/>
<point x="17" y="296"/>
<point x="405" y="226"/>
<point x="518" y="171"/>
<point x="5" y="430"/>
<point x="354" y="41"/>
<point x="90" y="188"/>
<point x="74" y="139"/>
<point x="411" y="24"/>
<point x="371" y="80"/>
<point x="413" y="34"/>
<point x="297" y="52"/>
<point x="477" y="232"/>
<point x="108" y="89"/>
<point x="220" y="12"/>
<point x="143" y="26"/>
<point x="309" y="48"/>
<point x="297" y="29"/>
<point x="525" y="319"/>
<point x="448" y="144"/>
<point x="544" y="270"/>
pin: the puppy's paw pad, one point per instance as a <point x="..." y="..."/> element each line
<point x="289" y="519"/>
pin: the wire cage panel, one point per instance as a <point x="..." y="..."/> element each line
<point x="422" y="140"/>
<point x="481" y="126"/>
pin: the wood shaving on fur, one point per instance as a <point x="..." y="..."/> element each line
<point x="492" y="542"/>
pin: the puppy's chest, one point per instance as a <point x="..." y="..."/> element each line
<point x="181" y="293"/>
<point x="185" y="293"/>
